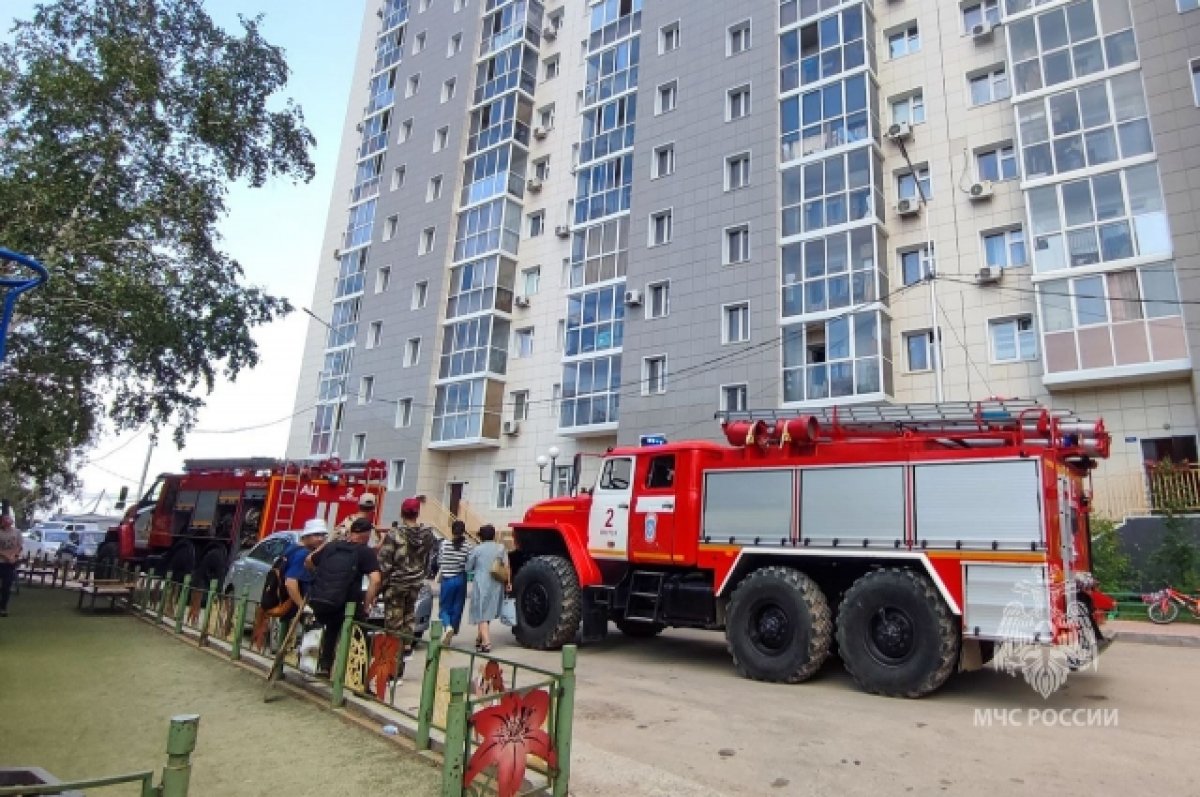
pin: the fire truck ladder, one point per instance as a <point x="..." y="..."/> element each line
<point x="645" y="594"/>
<point x="289" y="496"/>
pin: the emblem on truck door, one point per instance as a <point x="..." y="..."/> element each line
<point x="651" y="527"/>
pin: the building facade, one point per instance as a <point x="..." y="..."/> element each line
<point x="559" y="227"/>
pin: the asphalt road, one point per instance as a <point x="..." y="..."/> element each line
<point x="669" y="716"/>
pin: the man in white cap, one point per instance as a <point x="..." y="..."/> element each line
<point x="297" y="577"/>
<point x="366" y="510"/>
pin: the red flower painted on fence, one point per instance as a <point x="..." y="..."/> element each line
<point x="510" y="732"/>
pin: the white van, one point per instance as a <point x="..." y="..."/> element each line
<point x="47" y="537"/>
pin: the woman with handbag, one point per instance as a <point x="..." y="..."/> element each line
<point x="488" y="564"/>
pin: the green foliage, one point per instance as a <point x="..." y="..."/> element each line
<point x="1110" y="564"/>
<point x="1176" y="561"/>
<point x="122" y="123"/>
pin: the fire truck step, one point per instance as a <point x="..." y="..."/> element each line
<point x="645" y="594"/>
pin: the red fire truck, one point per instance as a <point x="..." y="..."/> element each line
<point x="919" y="537"/>
<point x="193" y="523"/>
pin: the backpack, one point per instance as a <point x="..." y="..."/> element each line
<point x="275" y="599"/>
<point x="337" y="576"/>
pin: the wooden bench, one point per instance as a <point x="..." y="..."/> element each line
<point x="39" y="570"/>
<point x="113" y="590"/>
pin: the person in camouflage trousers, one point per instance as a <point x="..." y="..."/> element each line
<point x="404" y="562"/>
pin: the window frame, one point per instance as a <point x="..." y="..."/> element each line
<point x="994" y="323"/>
<point x="742" y="311"/>
<point x="722" y="404"/>
<point x="397" y="466"/>
<point x="909" y="32"/>
<point x="922" y="334"/>
<point x="662" y="376"/>
<point x="404" y="412"/>
<point x="991" y="74"/>
<point x="669" y="88"/>
<point x="664" y="288"/>
<point x="366" y="389"/>
<point x="420" y="295"/>
<point x="916" y="174"/>
<point x="1007" y="233"/>
<point x="734" y="160"/>
<point x="665" y="37"/>
<point x="358" y="447"/>
<point x="652" y="227"/>
<point x="383" y="279"/>
<point x="746" y="27"/>
<point x="998" y="150"/>
<point x="412" y="353"/>
<point x="913" y="99"/>
<point x="727" y="241"/>
<point x="746" y="105"/>
<point x="374" y="335"/>
<point x="504" y="487"/>
<point x="655" y="170"/>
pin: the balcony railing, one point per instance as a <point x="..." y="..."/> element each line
<point x="1153" y="491"/>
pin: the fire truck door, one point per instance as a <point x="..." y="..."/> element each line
<point x="652" y="522"/>
<point x="608" y="524"/>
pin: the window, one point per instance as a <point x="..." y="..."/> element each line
<point x="1005" y="248"/>
<point x="560" y="334"/>
<point x="910" y="108"/>
<point x="668" y="38"/>
<point x="823" y="118"/>
<point x="406" y="128"/>
<point x="375" y="335"/>
<point x="826" y="47"/>
<point x="737" y="103"/>
<point x="654" y="375"/>
<point x="541" y="168"/>
<point x="427" y="238"/>
<point x="737" y="244"/>
<point x="738" y="38"/>
<point x="1012" y="339"/>
<point x="505" y="481"/>
<point x="735" y="323"/>
<point x="914" y="265"/>
<point x="551" y="68"/>
<point x="441" y="139"/>
<point x="904" y="41"/>
<point x="831" y="272"/>
<point x="919" y="346"/>
<point x="396" y="474"/>
<point x="420" y="295"/>
<point x="454" y="46"/>
<point x="907" y="183"/>
<point x="398" y="177"/>
<point x="404" y="408"/>
<point x="520" y="402"/>
<point x="448" y="89"/>
<point x="435" y="189"/>
<point x="523" y="343"/>
<point x="537" y="223"/>
<point x="733" y="398"/>
<point x="1184" y="6"/>
<point x="997" y="163"/>
<point x="664" y="161"/>
<point x="988" y="86"/>
<point x="1068" y="43"/>
<point x="985" y="13"/>
<point x="531" y="280"/>
<point x="423" y="7"/>
<point x="412" y="352"/>
<point x="366" y="389"/>
<point x="358" y="448"/>
<point x="660" y="228"/>
<point x="658" y="300"/>
<point x="667" y="95"/>
<point x="830" y="192"/>
<point x="546" y="116"/>
<point x="661" y="473"/>
<point x="419" y="42"/>
<point x="1195" y="68"/>
<point x="390" y="225"/>
<point x="459" y="5"/>
<point x="737" y="171"/>
<point x="383" y="279"/>
<point x="414" y="83"/>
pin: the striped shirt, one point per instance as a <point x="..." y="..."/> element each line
<point x="453" y="561"/>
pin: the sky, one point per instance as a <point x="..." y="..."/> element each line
<point x="274" y="231"/>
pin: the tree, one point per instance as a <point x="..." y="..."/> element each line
<point x="122" y="122"/>
<point x="1110" y="564"/>
<point x="1175" y="561"/>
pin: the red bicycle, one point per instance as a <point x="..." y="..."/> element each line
<point x="1163" y="606"/>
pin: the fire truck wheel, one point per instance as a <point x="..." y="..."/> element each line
<point x="179" y="562"/>
<point x="896" y="635"/>
<point x="779" y="627"/>
<point x="632" y="628"/>
<point x="108" y="559"/>
<point x="212" y="565"/>
<point x="549" y="603"/>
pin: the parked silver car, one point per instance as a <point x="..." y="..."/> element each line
<point x="250" y="570"/>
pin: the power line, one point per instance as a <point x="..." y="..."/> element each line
<point x="255" y="426"/>
<point x="108" y="454"/>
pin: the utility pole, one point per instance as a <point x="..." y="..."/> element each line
<point x="146" y="467"/>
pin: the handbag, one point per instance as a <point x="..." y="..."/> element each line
<point x="508" y="612"/>
<point x="500" y="570"/>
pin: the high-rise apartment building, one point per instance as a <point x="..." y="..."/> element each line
<point x="559" y="227"/>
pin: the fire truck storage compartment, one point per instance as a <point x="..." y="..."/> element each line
<point x="847" y="506"/>
<point x="202" y="515"/>
<point x="978" y="504"/>
<point x="1006" y="601"/>
<point x="743" y="505"/>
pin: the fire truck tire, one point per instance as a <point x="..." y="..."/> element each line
<point x="779" y="627"/>
<point x="633" y="628"/>
<point x="179" y="562"/>
<point x="896" y="635"/>
<point x="549" y="603"/>
<point x="212" y="565"/>
<point x="108" y="559"/>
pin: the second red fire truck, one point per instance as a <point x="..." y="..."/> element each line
<point x="918" y="537"/>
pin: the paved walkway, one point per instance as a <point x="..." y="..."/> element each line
<point x="90" y="695"/>
<point x="1182" y="634"/>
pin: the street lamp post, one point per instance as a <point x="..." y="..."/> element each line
<point x="542" y="461"/>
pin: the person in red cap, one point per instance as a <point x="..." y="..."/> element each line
<point x="404" y="562"/>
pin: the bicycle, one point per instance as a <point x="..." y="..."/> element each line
<point x="1163" y="606"/>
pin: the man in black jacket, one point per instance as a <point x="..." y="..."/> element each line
<point x="340" y="567"/>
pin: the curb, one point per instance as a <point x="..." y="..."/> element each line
<point x="1164" y="640"/>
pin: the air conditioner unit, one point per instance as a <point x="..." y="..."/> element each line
<point x="521" y="301"/>
<point x="512" y="428"/>
<point x="981" y="190"/>
<point x="534" y="184"/>
<point x="983" y="31"/>
<point x="989" y="274"/>
<point x="908" y="207"/>
<point x="337" y="253"/>
<point x="633" y="298"/>
<point x="899" y="131"/>
<point x="563" y="231"/>
<point x="539" y="132"/>
<point x="550" y="32"/>
<point x="574" y="169"/>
